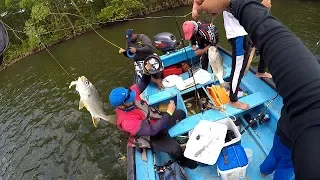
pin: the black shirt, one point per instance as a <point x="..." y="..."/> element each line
<point x="296" y="74"/>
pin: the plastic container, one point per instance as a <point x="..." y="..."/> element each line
<point x="206" y="141"/>
<point x="249" y="154"/>
<point x="231" y="126"/>
<point x="237" y="164"/>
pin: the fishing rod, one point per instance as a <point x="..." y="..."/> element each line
<point x="197" y="96"/>
<point x="261" y="116"/>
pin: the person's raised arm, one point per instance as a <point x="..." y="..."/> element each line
<point x="143" y="83"/>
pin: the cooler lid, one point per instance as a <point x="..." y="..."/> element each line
<point x="235" y="155"/>
<point x="206" y="141"/>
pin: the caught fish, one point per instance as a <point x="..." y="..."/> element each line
<point x="216" y="64"/>
<point x="89" y="99"/>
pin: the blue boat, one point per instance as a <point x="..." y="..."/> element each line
<point x="261" y="96"/>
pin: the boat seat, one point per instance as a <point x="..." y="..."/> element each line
<point x="189" y="123"/>
<point x="153" y="95"/>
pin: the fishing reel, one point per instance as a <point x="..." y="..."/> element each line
<point x="152" y="65"/>
<point x="262" y="118"/>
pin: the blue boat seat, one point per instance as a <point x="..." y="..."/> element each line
<point x="189" y="123"/>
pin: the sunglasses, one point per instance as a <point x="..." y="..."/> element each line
<point x="127" y="97"/>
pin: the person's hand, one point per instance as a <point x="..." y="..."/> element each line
<point x="133" y="50"/>
<point x="213" y="7"/>
<point x="266" y="3"/>
<point x="171" y="107"/>
<point x="194" y="47"/>
<point x="121" y="51"/>
<point x="199" y="52"/>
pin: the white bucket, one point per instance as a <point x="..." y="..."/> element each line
<point x="249" y="154"/>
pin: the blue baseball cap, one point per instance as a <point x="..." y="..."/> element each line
<point x="120" y="96"/>
<point x="128" y="34"/>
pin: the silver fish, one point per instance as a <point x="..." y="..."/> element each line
<point x="89" y="98"/>
<point x="216" y="64"/>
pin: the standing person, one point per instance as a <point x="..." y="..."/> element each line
<point x="205" y="34"/>
<point x="295" y="71"/>
<point x="137" y="119"/>
<point x="261" y="73"/>
<point x="139" y="46"/>
<point x="239" y="40"/>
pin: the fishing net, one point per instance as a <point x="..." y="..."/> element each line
<point x="4" y="39"/>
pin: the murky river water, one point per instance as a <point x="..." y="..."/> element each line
<point x="43" y="135"/>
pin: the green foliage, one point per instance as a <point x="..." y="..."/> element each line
<point x="120" y="9"/>
<point x="39" y="12"/>
<point x="50" y="21"/>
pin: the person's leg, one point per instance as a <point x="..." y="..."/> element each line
<point x="262" y="70"/>
<point x="138" y="68"/>
<point x="164" y="143"/>
<point x="239" y="63"/>
<point x="270" y="163"/>
<point x="204" y="61"/>
<point x="284" y="169"/>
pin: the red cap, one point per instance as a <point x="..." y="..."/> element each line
<point x="188" y="29"/>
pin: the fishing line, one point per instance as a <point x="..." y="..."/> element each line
<point x="52" y="56"/>
<point x="81" y="15"/>
<point x="310" y="9"/>
<point x="96" y="23"/>
<point x="190" y="60"/>
<point x="316" y="47"/>
<point x="41" y="44"/>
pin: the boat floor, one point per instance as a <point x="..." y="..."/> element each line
<point x="259" y="140"/>
<point x="208" y="172"/>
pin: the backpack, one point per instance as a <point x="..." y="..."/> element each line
<point x="171" y="171"/>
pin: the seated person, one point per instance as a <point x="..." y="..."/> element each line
<point x="137" y="119"/>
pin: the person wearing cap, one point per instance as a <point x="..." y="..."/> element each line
<point x="138" y="120"/>
<point x="138" y="47"/>
<point x="203" y="34"/>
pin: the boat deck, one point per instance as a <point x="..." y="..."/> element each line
<point x="259" y="140"/>
<point x="249" y="139"/>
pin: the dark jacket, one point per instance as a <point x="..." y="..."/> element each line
<point x="207" y="34"/>
<point x="143" y="45"/>
<point x="296" y="73"/>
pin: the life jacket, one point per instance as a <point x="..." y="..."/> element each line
<point x="143" y="112"/>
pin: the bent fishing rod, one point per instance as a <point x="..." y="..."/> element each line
<point x="197" y="96"/>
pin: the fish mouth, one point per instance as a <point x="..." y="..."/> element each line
<point x="82" y="78"/>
